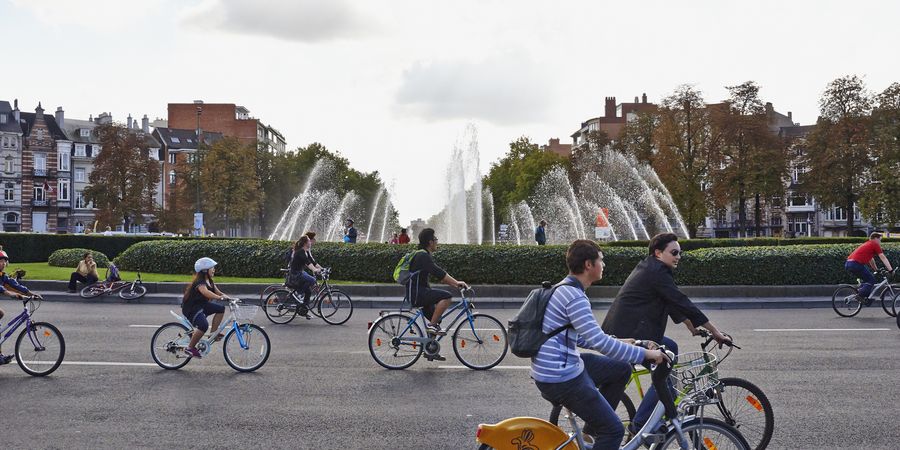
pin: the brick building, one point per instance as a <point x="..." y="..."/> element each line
<point x="612" y="122"/>
<point x="226" y="118"/>
<point x="40" y="136"/>
<point x="564" y="150"/>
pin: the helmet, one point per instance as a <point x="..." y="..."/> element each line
<point x="3" y="254"/>
<point x="204" y="263"/>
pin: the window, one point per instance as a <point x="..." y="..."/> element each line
<point x="798" y="199"/>
<point x="2" y="118"/>
<point x="63" y="190"/>
<point x="175" y="140"/>
<point x="79" y="150"/>
<point x="79" y="227"/>
<point x="79" y="200"/>
<point x="40" y="161"/>
<point x="39" y="193"/>
<point x="79" y="174"/>
<point x="8" y="165"/>
<point x="11" y="218"/>
<point x="40" y="134"/>
<point x="64" y="161"/>
<point x="172" y="177"/>
<point x="171" y="158"/>
<point x="85" y="132"/>
<point x="97" y="149"/>
<point x="9" y="192"/>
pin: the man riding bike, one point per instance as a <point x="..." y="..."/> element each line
<point x="12" y="288"/>
<point x="566" y="377"/>
<point x="859" y="262"/>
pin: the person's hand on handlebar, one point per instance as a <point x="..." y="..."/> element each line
<point x="462" y="285"/>
<point x="721" y="338"/>
<point x="657" y="356"/>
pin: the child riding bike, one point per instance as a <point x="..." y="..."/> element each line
<point x="12" y="288"/>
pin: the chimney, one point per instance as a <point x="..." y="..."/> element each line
<point x="769" y="108"/>
<point x="635" y="98"/>
<point x="554" y="142"/>
<point x="610" y="107"/>
<point x="16" y="110"/>
<point x="644" y="98"/>
<point x="91" y="118"/>
<point x="129" y="122"/>
<point x="790" y="117"/>
<point x="145" y="124"/>
<point x="39" y="111"/>
<point x="60" y="117"/>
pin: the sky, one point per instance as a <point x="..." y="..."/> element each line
<point x="392" y="84"/>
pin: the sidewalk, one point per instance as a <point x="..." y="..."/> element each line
<point x="389" y="296"/>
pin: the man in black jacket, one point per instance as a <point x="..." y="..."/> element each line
<point x="646" y="301"/>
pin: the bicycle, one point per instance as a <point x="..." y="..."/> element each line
<point x="331" y="304"/>
<point x="396" y="341"/>
<point x="846" y="302"/>
<point x="741" y="404"/>
<point x="45" y="349"/>
<point x="128" y="290"/>
<point x="692" y="373"/>
<point x="246" y="346"/>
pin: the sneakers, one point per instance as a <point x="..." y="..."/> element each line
<point x="435" y="357"/>
<point x="5" y="359"/>
<point x="72" y="291"/>
<point x="435" y="329"/>
<point x="193" y="353"/>
<point x="865" y="301"/>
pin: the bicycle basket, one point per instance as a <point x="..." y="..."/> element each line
<point x="695" y="372"/>
<point x="245" y="312"/>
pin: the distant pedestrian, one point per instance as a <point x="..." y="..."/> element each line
<point x="540" y="234"/>
<point x="350" y="236"/>
<point x="395" y="239"/>
<point x="404" y="237"/>
<point x="86" y="272"/>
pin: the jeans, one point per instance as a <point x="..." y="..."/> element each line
<point x="596" y="407"/>
<point x="308" y="282"/>
<point x="76" y="277"/>
<point x="864" y="274"/>
<point x="651" y="398"/>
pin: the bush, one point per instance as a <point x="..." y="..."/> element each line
<point x="70" y="257"/>
<point x="694" y="244"/>
<point x="33" y="247"/>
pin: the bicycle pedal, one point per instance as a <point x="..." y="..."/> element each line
<point x="653" y="438"/>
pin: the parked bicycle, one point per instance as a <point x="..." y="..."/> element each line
<point x="128" y="290"/>
<point x="396" y="340"/>
<point x="693" y="374"/>
<point x="331" y="304"/>
<point x="246" y="346"/>
<point x="846" y="301"/>
<point x="40" y="347"/>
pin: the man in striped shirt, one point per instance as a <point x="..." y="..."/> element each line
<point x="566" y="377"/>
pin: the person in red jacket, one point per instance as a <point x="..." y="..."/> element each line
<point x="404" y="237"/>
<point x="859" y="262"/>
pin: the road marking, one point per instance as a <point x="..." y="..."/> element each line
<point x="143" y="326"/>
<point x="495" y="367"/>
<point x="819" y="329"/>
<point x="95" y="363"/>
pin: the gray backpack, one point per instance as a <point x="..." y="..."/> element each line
<point x="525" y="330"/>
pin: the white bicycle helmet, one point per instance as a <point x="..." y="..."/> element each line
<point x="204" y="263"/>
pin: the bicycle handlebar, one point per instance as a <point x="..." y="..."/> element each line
<point x="709" y="339"/>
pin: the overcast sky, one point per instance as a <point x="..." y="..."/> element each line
<point x="392" y="84"/>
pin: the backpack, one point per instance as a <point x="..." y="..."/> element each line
<point x="401" y="272"/>
<point x="113" y="273"/>
<point x="524" y="330"/>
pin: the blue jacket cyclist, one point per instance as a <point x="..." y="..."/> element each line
<point x="566" y="377"/>
<point x="197" y="304"/>
<point x="12" y="288"/>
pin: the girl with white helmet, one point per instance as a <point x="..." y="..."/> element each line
<point x="196" y="304"/>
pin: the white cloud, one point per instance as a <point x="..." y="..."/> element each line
<point x="290" y="20"/>
<point x="506" y="89"/>
<point x="104" y="15"/>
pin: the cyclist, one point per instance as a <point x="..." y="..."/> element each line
<point x="300" y="280"/>
<point x="312" y="240"/>
<point x="861" y="259"/>
<point x="566" y="377"/>
<point x="12" y="288"/>
<point x="432" y="301"/>
<point x="197" y="303"/>
<point x="646" y="301"/>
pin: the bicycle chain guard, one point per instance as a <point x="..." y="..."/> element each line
<point x="432" y="348"/>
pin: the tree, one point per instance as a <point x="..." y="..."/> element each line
<point x="882" y="200"/>
<point x="685" y="142"/>
<point x="638" y="137"/>
<point x="177" y="215"/>
<point x="229" y="184"/>
<point x="124" y="178"/>
<point x="839" y="153"/>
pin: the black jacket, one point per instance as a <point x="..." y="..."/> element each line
<point x="646" y="300"/>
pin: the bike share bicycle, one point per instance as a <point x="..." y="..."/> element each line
<point x="846" y="302"/>
<point x="397" y="341"/>
<point x="246" y="346"/>
<point x="44" y="349"/>
<point x="693" y="374"/>
<point x="331" y="304"/>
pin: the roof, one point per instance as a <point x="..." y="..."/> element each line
<point x="797" y="131"/>
<point x="27" y="123"/>
<point x="175" y="138"/>
<point x="71" y="127"/>
<point x="10" y="126"/>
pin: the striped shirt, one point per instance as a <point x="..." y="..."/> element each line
<point x="558" y="360"/>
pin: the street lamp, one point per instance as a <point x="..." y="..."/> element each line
<point x="198" y="215"/>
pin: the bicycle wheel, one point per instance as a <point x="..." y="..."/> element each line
<point x="43" y="351"/>
<point x="845" y="302"/>
<point x="268" y="290"/>
<point x="706" y="434"/>
<point x="388" y="345"/>
<point x="480" y="343"/>
<point x="745" y="407"/>
<point x="335" y="307"/>
<point x="888" y="299"/>
<point x="132" y="291"/>
<point x="93" y="290"/>
<point x="280" y="306"/>
<point x="168" y="344"/>
<point x="254" y="355"/>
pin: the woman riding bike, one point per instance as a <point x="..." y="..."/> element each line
<point x="196" y="303"/>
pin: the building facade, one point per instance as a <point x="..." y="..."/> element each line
<point x="226" y="118"/>
<point x="41" y="137"/>
<point x="11" y="174"/>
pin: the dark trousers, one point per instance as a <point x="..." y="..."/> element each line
<point x="651" y="398"/>
<point x="76" y="277"/>
<point x="863" y="273"/>
<point x="593" y="396"/>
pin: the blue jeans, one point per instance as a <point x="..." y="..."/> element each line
<point x="596" y="407"/>
<point x="863" y="273"/>
<point x="651" y="398"/>
<point x="306" y="287"/>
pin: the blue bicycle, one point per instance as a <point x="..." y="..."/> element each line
<point x="396" y="341"/>
<point x="40" y="347"/>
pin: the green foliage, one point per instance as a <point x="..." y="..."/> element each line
<point x="70" y="257"/>
<point x="231" y="192"/>
<point x="883" y="203"/>
<point x="29" y="247"/>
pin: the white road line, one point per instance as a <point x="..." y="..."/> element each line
<point x="143" y="326"/>
<point x="766" y="330"/>
<point x="97" y="363"/>
<point x="493" y="368"/>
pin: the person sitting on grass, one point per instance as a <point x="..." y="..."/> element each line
<point x="12" y="288"/>
<point x="86" y="272"/>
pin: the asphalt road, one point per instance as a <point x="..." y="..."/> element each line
<point x="831" y="388"/>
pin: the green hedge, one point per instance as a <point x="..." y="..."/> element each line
<point x="694" y="244"/>
<point x="34" y="247"/>
<point x="70" y="257"/>
<point x="759" y="265"/>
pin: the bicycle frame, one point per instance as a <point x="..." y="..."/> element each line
<point x="231" y="321"/>
<point x="23" y="318"/>
<point x="465" y="310"/>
